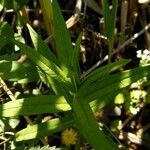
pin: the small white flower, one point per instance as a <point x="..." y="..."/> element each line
<point x="146" y="52"/>
<point x="139" y="53"/>
<point x="143" y="1"/>
<point x="144" y="57"/>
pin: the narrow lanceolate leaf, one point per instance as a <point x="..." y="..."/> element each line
<point x="6" y="30"/>
<point x="115" y="82"/>
<point x="34" y="105"/>
<point x="44" y="129"/>
<point x="101" y="101"/>
<point x="75" y="58"/>
<point x="46" y="8"/>
<point x="107" y="18"/>
<point x="113" y="15"/>
<point x="41" y="46"/>
<point x="3" y="41"/>
<point x="62" y="37"/>
<point x="102" y="72"/>
<point x="89" y="127"/>
<point x="46" y="65"/>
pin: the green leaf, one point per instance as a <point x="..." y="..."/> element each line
<point x="107" y="18"/>
<point x="7" y="124"/>
<point x="75" y="59"/>
<point x="43" y="49"/>
<point x="51" y="83"/>
<point x="38" y="147"/>
<point x="14" y="122"/>
<point x="46" y="65"/>
<point x="98" y="102"/>
<point x="44" y="129"/>
<point x="14" y="71"/>
<point x="8" y="57"/>
<point x="34" y="105"/>
<point x="14" y="4"/>
<point x="6" y="30"/>
<point x="62" y="37"/>
<point x="21" y="3"/>
<point x="113" y="83"/>
<point x="50" y="70"/>
<point x="3" y="41"/>
<point x="102" y="72"/>
<point x="41" y="46"/>
<point x="113" y="15"/>
<point x="88" y="126"/>
<point x="6" y="3"/>
<point x="120" y="98"/>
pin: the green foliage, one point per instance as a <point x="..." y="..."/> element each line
<point x="15" y="4"/>
<point x="42" y="148"/>
<point x="20" y="73"/>
<point x="109" y="17"/>
<point x="101" y="72"/>
<point x="6" y="32"/>
<point x="63" y="45"/>
<point x="41" y="104"/>
<point x="40" y="46"/>
<point x="42" y="129"/>
<point x="74" y="97"/>
<point x="109" y="22"/>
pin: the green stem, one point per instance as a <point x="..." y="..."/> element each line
<point x="110" y="49"/>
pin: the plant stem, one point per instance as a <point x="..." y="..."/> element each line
<point x="110" y="49"/>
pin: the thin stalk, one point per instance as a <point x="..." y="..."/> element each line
<point x="110" y="49"/>
<point x="113" y="22"/>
